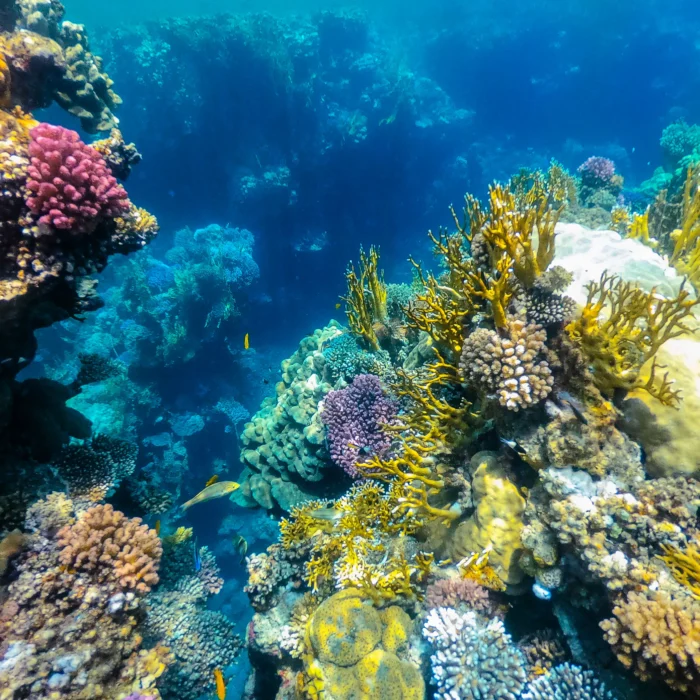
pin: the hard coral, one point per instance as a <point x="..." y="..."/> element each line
<point x="459" y="594"/>
<point x="70" y="186"/>
<point x="509" y="364"/>
<point x="597" y="172"/>
<point x="357" y="418"/>
<point x="473" y="659"/>
<point x="122" y="552"/>
<point x="656" y="635"/>
<point x="568" y="682"/>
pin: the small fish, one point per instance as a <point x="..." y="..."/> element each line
<point x="266" y="381"/>
<point x="337" y="306"/>
<point x="217" y="490"/>
<point x="220" y="685"/>
<point x="211" y="481"/>
<point x="157" y="528"/>
<point x="246" y="341"/>
<point x="574" y="404"/>
<point x="513" y="445"/>
<point x="330" y="515"/>
<point x="240" y="544"/>
<point x="197" y="558"/>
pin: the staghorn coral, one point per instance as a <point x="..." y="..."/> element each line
<point x="472" y="659"/>
<point x="510" y="365"/>
<point x="73" y="630"/>
<point x="357" y="419"/>
<point x="283" y="445"/>
<point x="121" y="552"/>
<point x="567" y="682"/>
<point x="656" y="635"/>
<point x="69" y="185"/>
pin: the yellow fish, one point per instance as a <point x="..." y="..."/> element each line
<point x="158" y="527"/>
<point x="337" y="306"/>
<point x="246" y="341"/>
<point x="213" y="480"/>
<point x="217" y="490"/>
<point x="220" y="685"/>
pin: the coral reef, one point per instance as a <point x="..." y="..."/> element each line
<point x="473" y="659"/>
<point x="68" y="622"/>
<point x="358" y="419"/>
<point x="568" y="681"/>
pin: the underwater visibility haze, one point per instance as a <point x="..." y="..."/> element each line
<point x="349" y="350"/>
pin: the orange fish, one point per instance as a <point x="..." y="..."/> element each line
<point x="220" y="685"/>
<point x="157" y="527"/>
<point x="211" y="481"/>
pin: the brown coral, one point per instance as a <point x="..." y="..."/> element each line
<point x="658" y="636"/>
<point x="118" y="549"/>
<point x="457" y="593"/>
<point x="509" y="363"/>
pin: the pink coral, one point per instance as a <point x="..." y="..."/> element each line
<point x="70" y="186"/>
<point x="453" y="593"/>
<point x="118" y="549"/>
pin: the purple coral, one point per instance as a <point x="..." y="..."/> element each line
<point x="357" y="417"/>
<point x="597" y="172"/>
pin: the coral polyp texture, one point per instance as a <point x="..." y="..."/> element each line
<point x="358" y="419"/>
<point x="69" y="184"/>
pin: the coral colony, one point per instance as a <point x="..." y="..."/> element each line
<point x="477" y="485"/>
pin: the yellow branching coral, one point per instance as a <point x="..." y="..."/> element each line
<point x="351" y="542"/>
<point x="556" y="187"/>
<point x="476" y="568"/>
<point x="413" y="475"/>
<point x="639" y="228"/>
<point x="524" y="234"/>
<point x="620" y="220"/>
<point x="686" y="239"/>
<point x="366" y="299"/>
<point x="684" y="566"/>
<point x="622" y="327"/>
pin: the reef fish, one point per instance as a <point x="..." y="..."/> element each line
<point x="577" y="408"/>
<point x="220" y="685"/>
<point x="197" y="557"/>
<point x="330" y="515"/>
<point x="213" y="480"/>
<point x="246" y="341"/>
<point x="217" y="490"/>
<point x="157" y="528"/>
<point x="240" y="544"/>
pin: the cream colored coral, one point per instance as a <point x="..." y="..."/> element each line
<point x="658" y="636"/>
<point x="114" y="547"/>
<point x="509" y="363"/>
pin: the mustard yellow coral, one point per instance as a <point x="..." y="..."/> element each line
<point x="355" y="652"/>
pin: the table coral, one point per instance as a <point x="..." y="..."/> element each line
<point x="357" y="419"/>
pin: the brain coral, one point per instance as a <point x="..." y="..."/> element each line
<point x="357" y="650"/>
<point x="284" y="444"/>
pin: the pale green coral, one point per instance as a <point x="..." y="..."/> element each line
<point x="284" y="443"/>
